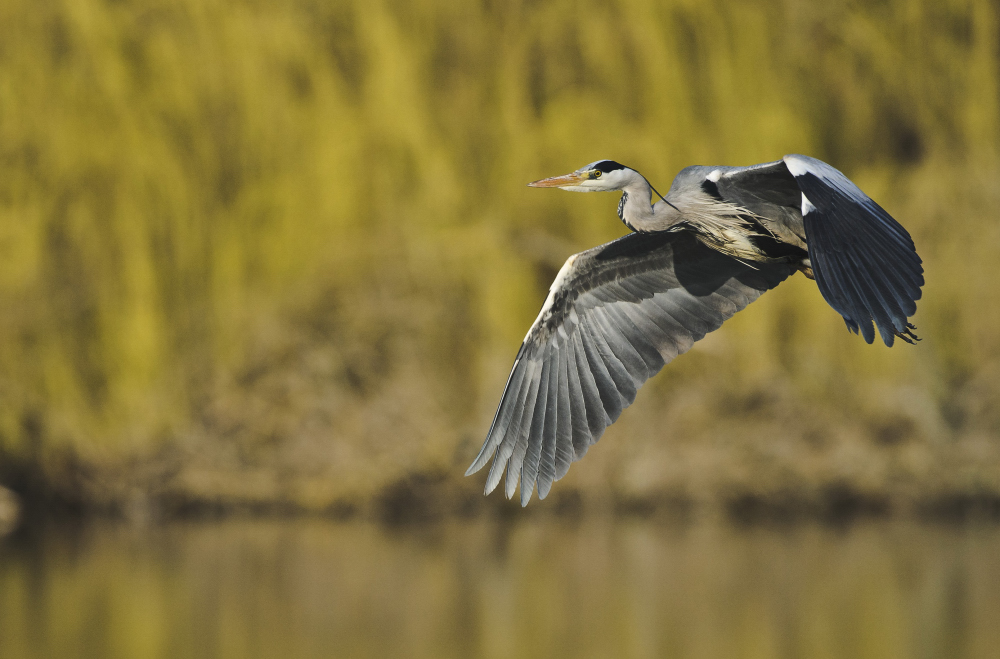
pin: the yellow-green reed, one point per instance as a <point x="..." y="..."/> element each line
<point x="266" y="252"/>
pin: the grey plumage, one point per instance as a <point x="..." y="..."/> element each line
<point x="617" y="313"/>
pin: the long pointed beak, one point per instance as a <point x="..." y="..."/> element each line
<point x="558" y="181"/>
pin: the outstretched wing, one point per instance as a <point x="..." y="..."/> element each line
<point x="613" y="317"/>
<point x="864" y="262"/>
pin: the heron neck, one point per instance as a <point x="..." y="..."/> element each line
<point x="639" y="214"/>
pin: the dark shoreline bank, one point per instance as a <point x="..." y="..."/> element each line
<point x="428" y="500"/>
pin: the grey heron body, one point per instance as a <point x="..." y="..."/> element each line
<point x="721" y="237"/>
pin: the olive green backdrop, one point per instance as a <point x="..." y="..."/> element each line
<point x="281" y="254"/>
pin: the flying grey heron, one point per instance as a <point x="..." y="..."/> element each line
<point x="721" y="237"/>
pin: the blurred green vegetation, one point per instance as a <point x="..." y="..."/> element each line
<point x="263" y="254"/>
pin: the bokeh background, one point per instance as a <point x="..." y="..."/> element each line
<point x="280" y="255"/>
<point x="275" y="259"/>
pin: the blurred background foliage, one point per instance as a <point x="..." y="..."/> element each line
<point x="259" y="254"/>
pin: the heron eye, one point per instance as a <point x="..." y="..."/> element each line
<point x="597" y="174"/>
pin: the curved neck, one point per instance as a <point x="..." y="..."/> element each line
<point x="638" y="213"/>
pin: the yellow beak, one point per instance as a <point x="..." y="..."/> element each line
<point x="559" y="181"/>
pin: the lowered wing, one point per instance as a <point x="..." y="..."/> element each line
<point x="864" y="262"/>
<point x="613" y="317"/>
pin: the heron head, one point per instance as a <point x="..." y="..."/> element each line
<point x="600" y="175"/>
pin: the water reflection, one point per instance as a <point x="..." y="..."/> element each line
<point x="536" y="588"/>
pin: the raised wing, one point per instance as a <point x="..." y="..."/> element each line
<point x="613" y="317"/>
<point x="865" y="263"/>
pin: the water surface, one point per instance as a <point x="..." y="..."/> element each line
<point x="532" y="588"/>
